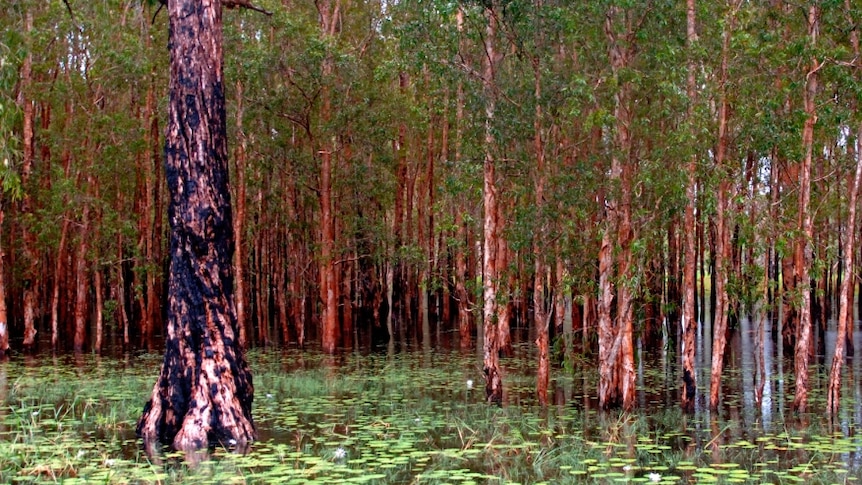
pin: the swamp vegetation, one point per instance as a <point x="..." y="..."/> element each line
<point x="609" y="178"/>
<point x="411" y="417"/>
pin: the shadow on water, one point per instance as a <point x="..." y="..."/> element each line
<point x="414" y="412"/>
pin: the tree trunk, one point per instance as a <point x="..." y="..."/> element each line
<point x="803" y="247"/>
<point x="461" y="294"/>
<point x="4" y="318"/>
<point x="123" y="317"/>
<point x="490" y="276"/>
<point x="98" y="288"/>
<point x="688" y="322"/>
<point x="329" y="16"/>
<point x="204" y="393"/>
<point x="31" y="258"/>
<point x="239" y="220"/>
<point x="616" y="353"/>
<point x="153" y="234"/>
<point x="82" y="285"/>
<point x="541" y="316"/>
<point x="845" y="309"/>
<point x="504" y="287"/>
<point x="722" y="232"/>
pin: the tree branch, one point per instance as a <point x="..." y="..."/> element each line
<point x="244" y="4"/>
<point x="225" y="3"/>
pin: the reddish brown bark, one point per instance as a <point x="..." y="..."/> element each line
<point x="722" y="231"/>
<point x="845" y="293"/>
<point x="329" y="18"/>
<point x="464" y="318"/>
<point x="204" y="392"/>
<point x="688" y="322"/>
<point x="490" y="271"/>
<point x="540" y="301"/>
<point x="239" y="218"/>
<point x="506" y="280"/>
<point x="82" y="283"/>
<point x="60" y="262"/>
<point x="98" y="288"/>
<point x="803" y="248"/>
<point x="465" y="333"/>
<point x="845" y="309"/>
<point x="153" y="234"/>
<point x="31" y="258"/>
<point x="616" y="352"/>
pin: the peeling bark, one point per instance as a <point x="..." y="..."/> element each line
<point x="845" y="295"/>
<point x="688" y="321"/>
<point x="490" y="271"/>
<point x="803" y="247"/>
<point x="722" y="236"/>
<point x="31" y="258"/>
<point x="329" y="17"/>
<point x="616" y="352"/>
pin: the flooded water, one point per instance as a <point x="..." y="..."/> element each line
<point x="403" y="414"/>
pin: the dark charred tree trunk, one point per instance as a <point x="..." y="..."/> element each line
<point x="204" y="393"/>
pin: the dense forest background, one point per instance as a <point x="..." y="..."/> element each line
<point x="406" y="167"/>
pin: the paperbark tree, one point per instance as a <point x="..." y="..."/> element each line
<point x="845" y="295"/>
<point x="239" y="219"/>
<point x="541" y="316"/>
<point x="461" y="294"/>
<point x="204" y="393"/>
<point x="28" y="154"/>
<point x="329" y="15"/>
<point x="803" y="254"/>
<point x="616" y="353"/>
<point x="490" y="270"/>
<point x="722" y="229"/>
<point x="688" y="322"/>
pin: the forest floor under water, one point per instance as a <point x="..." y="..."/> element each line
<point x="419" y="416"/>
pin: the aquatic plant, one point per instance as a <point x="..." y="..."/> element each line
<point x="403" y="418"/>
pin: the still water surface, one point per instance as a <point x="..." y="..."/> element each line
<point x="404" y="414"/>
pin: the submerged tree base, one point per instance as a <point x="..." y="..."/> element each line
<point x="206" y="405"/>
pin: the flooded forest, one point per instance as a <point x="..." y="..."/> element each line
<point x="578" y="185"/>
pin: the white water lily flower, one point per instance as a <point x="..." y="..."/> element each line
<point x="340" y="453"/>
<point x="109" y="462"/>
<point x="654" y="477"/>
<point x="469" y="384"/>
